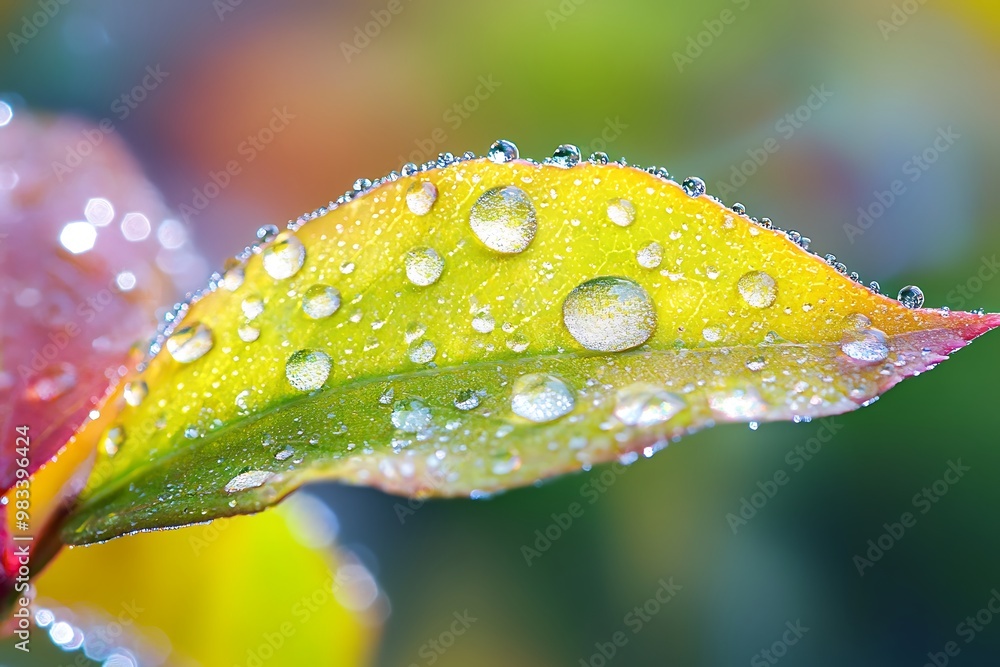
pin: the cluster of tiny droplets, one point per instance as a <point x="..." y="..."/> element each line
<point x="565" y="156"/>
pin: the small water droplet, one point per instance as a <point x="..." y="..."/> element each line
<point x="420" y="197"/>
<point x="599" y="157"/>
<point x="233" y="274"/>
<point x="248" y="333"/>
<point x="504" y="219"/>
<point x="113" y="440"/>
<point x="423" y="266"/>
<point x="283" y="258"/>
<point x="467" y="399"/>
<point x="135" y="392"/>
<point x="284" y="454"/>
<point x="541" y="398"/>
<point x="866" y="345"/>
<point x="693" y="186"/>
<point x="645" y="405"/>
<point x="252" y="307"/>
<point x="911" y="296"/>
<point x="267" y="233"/>
<point x="249" y="480"/>
<point x="517" y="343"/>
<point x="502" y="151"/>
<point x="758" y="289"/>
<point x="410" y="416"/>
<point x="422" y="352"/>
<point x="566" y="156"/>
<point x="414" y="330"/>
<point x="712" y="334"/>
<point x="320" y="301"/>
<point x="308" y="370"/>
<point x="650" y="256"/>
<point x="756" y="365"/>
<point x="483" y="322"/>
<point x="609" y="314"/>
<point x="621" y="212"/>
<point x="190" y="343"/>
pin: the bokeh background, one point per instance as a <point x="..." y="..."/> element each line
<point x="849" y="91"/>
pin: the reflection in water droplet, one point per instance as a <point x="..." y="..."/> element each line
<point x="502" y="151"/>
<point x="423" y="266"/>
<point x="249" y="480"/>
<point x="621" y="212"/>
<point x="645" y="405"/>
<point x="135" y="392"/>
<point x="609" y="314"/>
<point x="911" y="296"/>
<point x="54" y="381"/>
<point x="650" y="256"/>
<point x="283" y="258"/>
<point x="422" y="352"/>
<point x="504" y="219"/>
<point x="541" y="398"/>
<point x="113" y="440"/>
<point x="566" y="156"/>
<point x="865" y="345"/>
<point x="320" y="301"/>
<point x="420" y="197"/>
<point x="190" y="343"/>
<point x="758" y="289"/>
<point x="693" y="186"/>
<point x="308" y="370"/>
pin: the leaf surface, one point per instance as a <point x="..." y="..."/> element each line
<point x="475" y="327"/>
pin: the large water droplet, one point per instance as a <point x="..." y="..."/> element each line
<point x="52" y="382"/>
<point x="566" y="156"/>
<point x="650" y="256"/>
<point x="609" y="314"/>
<point x="423" y="266"/>
<point x="420" y="197"/>
<point x="284" y="257"/>
<point x="866" y="345"/>
<point x="758" y="289"/>
<point x="541" y="398"/>
<point x="248" y="480"/>
<point x="502" y="151"/>
<point x="320" y="301"/>
<point x="504" y="219"/>
<point x="911" y="296"/>
<point x="135" y="392"/>
<point x="190" y="343"/>
<point x="645" y="405"/>
<point x="308" y="370"/>
<point x="422" y="352"/>
<point x="621" y="212"/>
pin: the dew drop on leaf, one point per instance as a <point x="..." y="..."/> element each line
<point x="190" y="343"/>
<point x="467" y="399"/>
<point x="252" y="307"/>
<point x="248" y="333"/>
<point x="422" y="352"/>
<point x="307" y="370"/>
<point x="502" y="151"/>
<point x="248" y="480"/>
<point x="621" y="212"/>
<point x="911" y="296"/>
<point x="694" y="187"/>
<point x="284" y="257"/>
<point x="410" y="416"/>
<point x="420" y="197"/>
<point x="645" y="405"/>
<point x="504" y="219"/>
<point x="423" y="266"/>
<point x="320" y="301"/>
<point x="135" y="392"/>
<point x="483" y="322"/>
<point x="609" y="314"/>
<point x="650" y="256"/>
<point x="541" y="398"/>
<point x="758" y="289"/>
<point x="866" y="345"/>
<point x="566" y="156"/>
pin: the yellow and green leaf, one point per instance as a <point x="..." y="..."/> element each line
<point x="474" y="327"/>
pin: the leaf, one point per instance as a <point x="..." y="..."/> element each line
<point x="229" y="580"/>
<point x="472" y="328"/>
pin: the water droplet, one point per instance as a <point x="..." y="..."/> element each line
<point x="414" y="331"/>
<point x="233" y="275"/>
<point x="693" y="186"/>
<point x="911" y="296"/>
<point x="857" y="321"/>
<point x="284" y="257"/>
<point x="483" y="322"/>
<point x="517" y="343"/>
<point x="190" y="343"/>
<point x="867" y="345"/>
<point x="135" y="392"/>
<point x="712" y="334"/>
<point x="621" y="212"/>
<point x="284" y="454"/>
<point x="308" y="370"/>
<point x="502" y="151"/>
<point x="541" y="398"/>
<point x="599" y="157"/>
<point x="423" y="266"/>
<point x="758" y="289"/>
<point x="362" y="184"/>
<point x="249" y="480"/>
<point x="609" y="314"/>
<point x="410" y="416"/>
<point x="248" y="333"/>
<point x="113" y="440"/>
<point x="504" y="219"/>
<point x="52" y="382"/>
<point x="757" y="365"/>
<point x="320" y="301"/>
<point x="420" y="197"/>
<point x="566" y="156"/>
<point x="422" y="352"/>
<point x="252" y="307"/>
<point x="467" y="399"/>
<point x="645" y="405"/>
<point x="650" y="256"/>
<point x="267" y="233"/>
